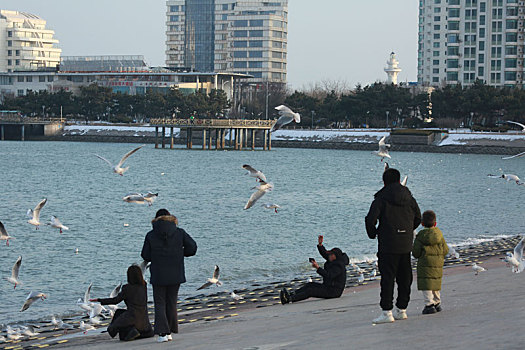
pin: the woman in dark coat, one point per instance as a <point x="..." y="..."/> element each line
<point x="165" y="247"/>
<point x="132" y="323"/>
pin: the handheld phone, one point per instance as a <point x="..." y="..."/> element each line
<point x="311" y="260"/>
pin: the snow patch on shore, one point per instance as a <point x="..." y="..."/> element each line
<point x="347" y="135"/>
<point x="462" y="139"/>
<point x="115" y="130"/>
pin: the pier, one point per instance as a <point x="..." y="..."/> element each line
<point x="218" y="134"/>
<point x="14" y="127"/>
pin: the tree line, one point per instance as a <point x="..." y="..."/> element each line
<point x="375" y="105"/>
<point x="95" y="102"/>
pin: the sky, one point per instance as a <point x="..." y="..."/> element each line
<point x="345" y="40"/>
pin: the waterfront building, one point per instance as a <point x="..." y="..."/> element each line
<point x="236" y="36"/>
<point x="464" y="40"/>
<point x="26" y="43"/>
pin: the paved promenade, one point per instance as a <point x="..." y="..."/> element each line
<point x="479" y="312"/>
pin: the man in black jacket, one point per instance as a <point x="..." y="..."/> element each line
<point x="333" y="273"/>
<point x="165" y="247"/>
<point x="398" y="215"/>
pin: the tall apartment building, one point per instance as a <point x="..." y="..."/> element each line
<point x="235" y="36"/>
<point x="464" y="40"/>
<point x="26" y="43"/>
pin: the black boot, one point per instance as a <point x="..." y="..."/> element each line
<point x="438" y="307"/>
<point x="112" y="331"/>
<point x="429" y="310"/>
<point x="132" y="334"/>
<point x="285" y="296"/>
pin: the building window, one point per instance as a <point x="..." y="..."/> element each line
<point x="452" y="76"/>
<point x="9" y="34"/>
<point x="437" y="9"/>
<point x="436" y="44"/>
<point x="241" y="64"/>
<point x="17" y="52"/>
<point x="437" y="36"/>
<point x="511" y="50"/>
<point x="255" y="64"/>
<point x="437" y="27"/>
<point x="9" y="62"/>
<point x="257" y="23"/>
<point x="510" y="76"/>
<point x="50" y="79"/>
<point x="41" y="79"/>
<point x="452" y="63"/>
<point x="20" y="92"/>
<point x="256" y="43"/>
<point x="435" y="71"/>
<point x="256" y="33"/>
<point x="9" y="43"/>
<point x="435" y="62"/>
<point x="240" y="44"/>
<point x="511" y="24"/>
<point x="256" y="54"/>
<point x="481" y="46"/>
<point x="240" y="23"/>
<point x="482" y="7"/>
<point x="240" y="33"/>
<point x="437" y="18"/>
<point x="511" y="37"/>
<point x="20" y="79"/>
<point x="435" y="79"/>
<point x="17" y="62"/>
<point x="240" y="54"/>
<point x="9" y="52"/>
<point x="174" y="18"/>
<point x="453" y="51"/>
<point x="453" y="25"/>
<point x="29" y="79"/>
<point x="481" y="71"/>
<point x="435" y="54"/>
<point x="510" y="63"/>
<point x="481" y="58"/>
<point x="453" y="13"/>
<point x="174" y="8"/>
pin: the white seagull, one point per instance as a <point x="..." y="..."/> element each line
<point x="286" y="117"/>
<point x="361" y="278"/>
<point x="508" y="177"/>
<point x="31" y="298"/>
<point x="272" y="206"/>
<point x="477" y="269"/>
<point x="373" y="274"/>
<point x="235" y="296"/>
<point x="518" y="124"/>
<point x="383" y="149"/>
<point x="55" y="223"/>
<point x="515" y="156"/>
<point x="34" y="214"/>
<point x="213" y="280"/>
<point x="452" y="252"/>
<point x="118" y="169"/>
<point x="258" y="175"/>
<point x="29" y="331"/>
<point x="86" y="327"/>
<point x="85" y="304"/>
<point x="515" y="259"/>
<point x="140" y="198"/>
<point x="14" y="272"/>
<point x="114" y="293"/>
<point x="4" y="236"/>
<point x="262" y="189"/>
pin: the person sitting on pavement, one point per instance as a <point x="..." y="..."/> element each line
<point x="132" y="323"/>
<point x="333" y="273"/>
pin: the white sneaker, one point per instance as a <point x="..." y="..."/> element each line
<point x="170" y="338"/>
<point x="163" y="339"/>
<point x="386" y="317"/>
<point x="400" y="314"/>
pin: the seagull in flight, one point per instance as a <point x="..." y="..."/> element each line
<point x="286" y="117"/>
<point x="140" y="198"/>
<point x="272" y="206"/>
<point x="14" y="272"/>
<point x="515" y="259"/>
<point x="515" y="156"/>
<point x="31" y="298"/>
<point x="114" y="293"/>
<point x="4" y="236"/>
<point x="508" y="177"/>
<point x="34" y="214"/>
<point x="85" y="304"/>
<point x="518" y="124"/>
<point x="383" y="149"/>
<point x="118" y="169"/>
<point x="258" y="175"/>
<point x="262" y="189"/>
<point x="213" y="280"/>
<point x="477" y="269"/>
<point x="55" y="223"/>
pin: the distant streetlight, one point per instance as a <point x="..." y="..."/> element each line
<point x="387" y="114"/>
<point x="43" y="111"/>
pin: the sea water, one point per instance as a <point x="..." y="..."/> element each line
<point x="324" y="192"/>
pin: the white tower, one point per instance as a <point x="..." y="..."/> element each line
<point x="392" y="69"/>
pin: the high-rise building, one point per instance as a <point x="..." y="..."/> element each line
<point x="236" y="36"/>
<point x="461" y="41"/>
<point x="26" y="43"/>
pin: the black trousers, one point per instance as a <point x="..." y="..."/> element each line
<point x="122" y="324"/>
<point x="315" y="290"/>
<point x="395" y="268"/>
<point x="165" y="298"/>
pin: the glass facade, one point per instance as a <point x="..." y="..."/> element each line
<point x="200" y="35"/>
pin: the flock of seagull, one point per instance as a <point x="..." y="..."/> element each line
<point x="95" y="311"/>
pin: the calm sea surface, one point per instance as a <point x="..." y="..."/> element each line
<point x="321" y="191"/>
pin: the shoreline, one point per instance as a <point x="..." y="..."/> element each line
<point x="506" y="148"/>
<point x="210" y="309"/>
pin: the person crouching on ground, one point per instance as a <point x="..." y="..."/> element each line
<point x="430" y="249"/>
<point x="333" y="273"/>
<point x="132" y="323"/>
